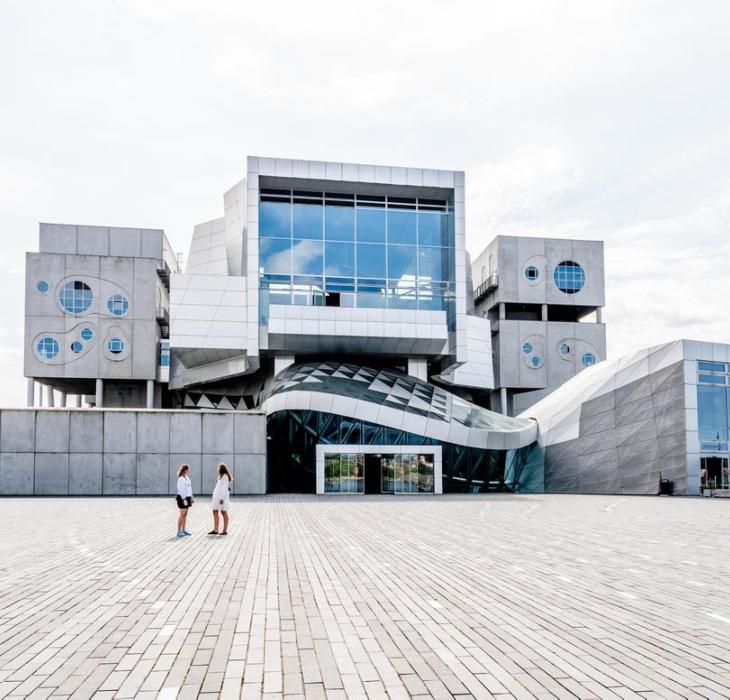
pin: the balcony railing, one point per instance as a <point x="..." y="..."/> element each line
<point x="489" y="285"/>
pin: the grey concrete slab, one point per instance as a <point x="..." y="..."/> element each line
<point x="85" y="473"/>
<point x="152" y="473"/>
<point x="153" y="433"/>
<point x="17" y="431"/>
<point x="217" y="433"/>
<point x="16" y="473"/>
<point x="249" y="473"/>
<point x="52" y="431"/>
<point x="87" y="431"/>
<point x="120" y="431"/>
<point x="119" y="474"/>
<point x="186" y="432"/>
<point x="51" y="474"/>
<point x="249" y="434"/>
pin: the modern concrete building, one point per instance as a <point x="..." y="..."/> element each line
<point x="97" y="315"/>
<point x="544" y="299"/>
<point x="621" y="425"/>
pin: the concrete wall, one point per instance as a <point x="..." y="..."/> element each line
<point x="127" y="452"/>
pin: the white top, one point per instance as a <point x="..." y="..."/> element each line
<point x="221" y="492"/>
<point x="184" y="487"/>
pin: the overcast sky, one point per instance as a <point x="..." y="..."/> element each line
<point x="585" y="119"/>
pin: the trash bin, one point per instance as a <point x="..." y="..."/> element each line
<point x="666" y="487"/>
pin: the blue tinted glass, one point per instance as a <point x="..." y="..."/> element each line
<point x="339" y="223"/>
<point x="274" y="220"/>
<point x="275" y="256"/>
<point x="433" y="228"/>
<point x="401" y="226"/>
<point x="87" y="334"/>
<point x="307" y="221"/>
<point x="402" y="294"/>
<point x="371" y="300"/>
<point x="307" y="257"/>
<point x="711" y="366"/>
<point x="535" y="360"/>
<point x="339" y="259"/>
<point x="532" y="273"/>
<point x="711" y="378"/>
<point x="164" y="360"/>
<point x="370" y="225"/>
<point x="432" y="263"/>
<point x="569" y="277"/>
<point x="42" y="286"/>
<point x="712" y="412"/>
<point x="564" y="348"/>
<point x="48" y="348"/>
<point x="588" y="359"/>
<point x="118" y="305"/>
<point x="76" y="346"/>
<point x="115" y="345"/>
<point x="527" y="348"/>
<point x="370" y="260"/>
<point x="401" y="261"/>
<point x="76" y="297"/>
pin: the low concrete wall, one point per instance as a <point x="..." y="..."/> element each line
<point x="59" y="451"/>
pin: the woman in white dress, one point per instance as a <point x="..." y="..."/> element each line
<point x="221" y="501"/>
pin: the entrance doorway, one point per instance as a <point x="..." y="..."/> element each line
<point x="378" y="470"/>
<point x="714" y="472"/>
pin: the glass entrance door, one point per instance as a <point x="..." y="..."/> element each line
<point x="714" y="473"/>
<point x="409" y="472"/>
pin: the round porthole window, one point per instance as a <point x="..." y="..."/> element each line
<point x="76" y="346"/>
<point x="532" y="273"/>
<point x="569" y="277"/>
<point x="115" y="346"/>
<point x="42" y="286"/>
<point x="535" y="359"/>
<point x="118" y="305"/>
<point x="527" y="348"/>
<point x="588" y="359"/>
<point x="76" y="297"/>
<point x="87" y="334"/>
<point x="48" y="348"/>
<point x="564" y="349"/>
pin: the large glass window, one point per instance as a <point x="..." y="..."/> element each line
<point x="366" y="250"/>
<point x="712" y="413"/>
<point x="76" y="297"/>
<point x="274" y="220"/>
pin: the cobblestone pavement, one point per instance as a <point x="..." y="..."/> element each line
<point x="454" y="596"/>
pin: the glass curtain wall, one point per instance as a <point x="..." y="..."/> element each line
<point x="713" y="405"/>
<point x="294" y="436"/>
<point x="338" y="249"/>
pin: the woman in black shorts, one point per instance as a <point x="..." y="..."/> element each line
<point x="184" y="498"/>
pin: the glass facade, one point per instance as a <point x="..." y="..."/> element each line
<point x="407" y="472"/>
<point x="339" y="249"/>
<point x="294" y="436"/>
<point x="713" y="405"/>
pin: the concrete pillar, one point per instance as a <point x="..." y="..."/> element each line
<point x="78" y="400"/>
<point x="150" y="393"/>
<point x="63" y="399"/>
<point x="544" y="312"/>
<point x="418" y="367"/>
<point x="99" y="393"/>
<point x="503" y="399"/>
<point x="502" y="312"/>
<point x="49" y="396"/>
<point x="599" y="315"/>
<point x="281" y="362"/>
<point x="31" y="392"/>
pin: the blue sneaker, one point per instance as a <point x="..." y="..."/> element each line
<point x="181" y="534"/>
<point x="185" y="532"/>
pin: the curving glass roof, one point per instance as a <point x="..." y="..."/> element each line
<point x="389" y="387"/>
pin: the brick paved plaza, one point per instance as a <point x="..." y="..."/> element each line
<point x="474" y="596"/>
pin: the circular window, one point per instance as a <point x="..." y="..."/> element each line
<point x="564" y="349"/>
<point x="118" y="305"/>
<point x="48" y="348"/>
<point x="569" y="277"/>
<point x="527" y="348"/>
<point x="535" y="359"/>
<point x="42" y="286"/>
<point x="87" y="334"/>
<point x="115" y="346"/>
<point x="76" y="346"/>
<point x="76" y="297"/>
<point x="532" y="273"/>
<point x="588" y="359"/>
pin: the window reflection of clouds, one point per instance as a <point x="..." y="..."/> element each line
<point x="307" y="257"/>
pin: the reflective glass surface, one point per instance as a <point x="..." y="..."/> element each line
<point x="48" y="348"/>
<point x="569" y="277"/>
<point x="405" y="245"/>
<point x="76" y="297"/>
<point x="713" y="406"/>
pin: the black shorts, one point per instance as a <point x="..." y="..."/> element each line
<point x="184" y="503"/>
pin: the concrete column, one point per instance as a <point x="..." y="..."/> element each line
<point x="599" y="315"/>
<point x="49" y="396"/>
<point x="502" y="312"/>
<point x="78" y="400"/>
<point x="544" y="312"/>
<point x="150" y="393"/>
<point x="281" y="362"/>
<point x="31" y="392"/>
<point x="503" y="399"/>
<point x="63" y="398"/>
<point x="418" y="367"/>
<point x="99" y="393"/>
